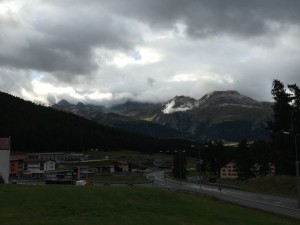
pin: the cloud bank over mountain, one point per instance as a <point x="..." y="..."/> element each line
<point x="107" y="52"/>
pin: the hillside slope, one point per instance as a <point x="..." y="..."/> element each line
<point x="35" y="128"/>
<point x="128" y="122"/>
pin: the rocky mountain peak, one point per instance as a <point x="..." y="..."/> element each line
<point x="223" y="98"/>
<point x="181" y="99"/>
<point x="63" y="103"/>
<point x="80" y="105"/>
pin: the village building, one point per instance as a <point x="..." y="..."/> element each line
<point x="56" y="156"/>
<point x="17" y="161"/>
<point x="229" y="171"/>
<point x="37" y="169"/>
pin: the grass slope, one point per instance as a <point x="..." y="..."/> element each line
<point x="271" y="185"/>
<point x="62" y="205"/>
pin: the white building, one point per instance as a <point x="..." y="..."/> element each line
<point x="49" y="165"/>
<point x="229" y="171"/>
<point x="4" y="158"/>
<point x="36" y="168"/>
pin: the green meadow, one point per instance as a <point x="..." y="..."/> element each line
<point x="63" y="205"/>
<point x="120" y="178"/>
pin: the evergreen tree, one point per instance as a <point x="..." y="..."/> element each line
<point x="282" y="122"/>
<point x="282" y="109"/>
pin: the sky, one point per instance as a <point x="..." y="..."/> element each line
<point x="107" y="52"/>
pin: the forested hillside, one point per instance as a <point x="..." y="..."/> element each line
<point x="38" y="128"/>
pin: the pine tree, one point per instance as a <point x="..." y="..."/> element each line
<point x="282" y="108"/>
<point x="283" y="154"/>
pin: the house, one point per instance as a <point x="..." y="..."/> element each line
<point x="49" y="165"/>
<point x="56" y="156"/>
<point x="49" y="168"/>
<point x="135" y="167"/>
<point x="17" y="161"/>
<point x="77" y="157"/>
<point x="34" y="168"/>
<point x="229" y="171"/>
<point x="121" y="166"/>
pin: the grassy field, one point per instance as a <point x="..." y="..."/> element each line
<point x="68" y="205"/>
<point x="284" y="186"/>
<point x="273" y="185"/>
<point x="123" y="154"/>
<point x="127" y="178"/>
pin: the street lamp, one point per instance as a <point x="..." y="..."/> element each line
<point x="297" y="166"/>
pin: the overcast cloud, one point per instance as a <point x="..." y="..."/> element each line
<point x="107" y="52"/>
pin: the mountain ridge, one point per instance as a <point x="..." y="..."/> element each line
<point x="213" y="116"/>
<point x="37" y="128"/>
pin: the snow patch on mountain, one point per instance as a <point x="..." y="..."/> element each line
<point x="169" y="108"/>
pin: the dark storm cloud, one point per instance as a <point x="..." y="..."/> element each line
<point x="44" y="58"/>
<point x="65" y="40"/>
<point x="215" y="17"/>
<point x="68" y="31"/>
<point x="149" y="50"/>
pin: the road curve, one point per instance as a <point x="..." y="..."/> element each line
<point x="275" y="204"/>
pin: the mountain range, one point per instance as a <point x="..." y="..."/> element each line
<point x="225" y="115"/>
<point x="36" y="128"/>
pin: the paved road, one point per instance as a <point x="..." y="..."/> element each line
<point x="279" y="205"/>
